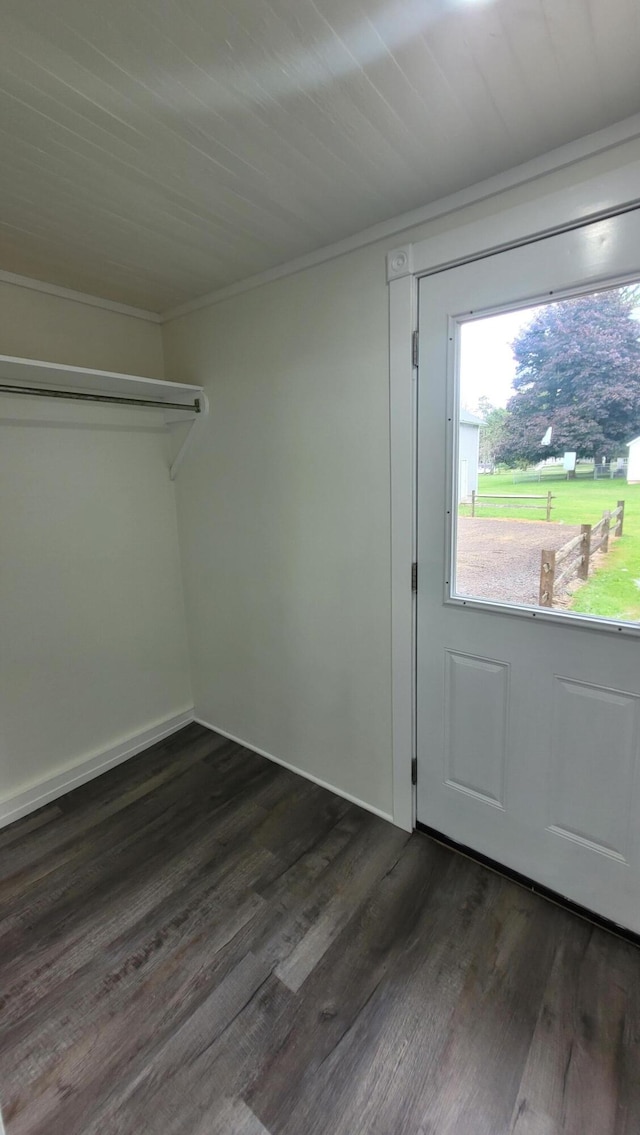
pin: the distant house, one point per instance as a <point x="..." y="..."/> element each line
<point x="468" y="453"/>
<point x="633" y="467"/>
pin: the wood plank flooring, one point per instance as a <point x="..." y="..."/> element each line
<point x="202" y="943"/>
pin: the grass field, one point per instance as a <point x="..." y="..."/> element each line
<point x="613" y="591"/>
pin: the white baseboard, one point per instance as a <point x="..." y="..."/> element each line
<point x="36" y="796"/>
<point x="294" y="768"/>
<point x="21" y="803"/>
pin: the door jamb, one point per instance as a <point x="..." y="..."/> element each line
<point x="594" y="199"/>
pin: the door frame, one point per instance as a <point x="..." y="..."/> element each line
<point x="552" y="212"/>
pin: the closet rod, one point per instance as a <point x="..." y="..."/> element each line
<point x="76" y="396"/>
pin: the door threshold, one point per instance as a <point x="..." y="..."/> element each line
<point x="531" y="885"/>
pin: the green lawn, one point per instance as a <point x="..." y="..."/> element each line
<point x="613" y="591"/>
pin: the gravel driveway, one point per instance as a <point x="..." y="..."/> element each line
<point x="500" y="559"/>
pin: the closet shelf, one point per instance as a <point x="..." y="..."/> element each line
<point x="179" y="402"/>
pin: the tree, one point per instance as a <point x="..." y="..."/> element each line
<point x="578" y="371"/>
<point x="491" y="433"/>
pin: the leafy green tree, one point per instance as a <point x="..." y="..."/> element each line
<point x="578" y="372"/>
<point x="491" y="433"/>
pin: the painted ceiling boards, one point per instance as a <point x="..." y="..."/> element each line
<point x="156" y="150"/>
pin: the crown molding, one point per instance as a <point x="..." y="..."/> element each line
<point x="572" y="152"/>
<point x="78" y="297"/>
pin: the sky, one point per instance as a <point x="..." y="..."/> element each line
<point x="487" y="366"/>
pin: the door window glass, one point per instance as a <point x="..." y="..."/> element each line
<point x="548" y="456"/>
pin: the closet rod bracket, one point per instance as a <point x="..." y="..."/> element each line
<point x="195" y="429"/>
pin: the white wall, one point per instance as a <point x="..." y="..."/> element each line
<point x="36" y="325"/>
<point x="284" y="509"/>
<point x="93" y="646"/>
<point x="284" y="525"/>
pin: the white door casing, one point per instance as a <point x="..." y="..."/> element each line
<point x="528" y="723"/>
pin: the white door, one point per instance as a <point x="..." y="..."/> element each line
<point x="528" y="721"/>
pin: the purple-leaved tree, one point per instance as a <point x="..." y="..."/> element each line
<point x="578" y="371"/>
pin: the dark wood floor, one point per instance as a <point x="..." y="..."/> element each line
<point x="202" y="943"/>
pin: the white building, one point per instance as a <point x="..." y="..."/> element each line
<point x="468" y="453"/>
<point x="633" y="468"/>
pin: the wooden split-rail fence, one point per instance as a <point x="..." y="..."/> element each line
<point x="478" y="498"/>
<point x="578" y="553"/>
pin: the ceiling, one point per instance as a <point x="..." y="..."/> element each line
<point x="155" y="150"/>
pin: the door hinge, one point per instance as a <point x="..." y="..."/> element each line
<point x="414" y="577"/>
<point x="414" y="771"/>
<point x="414" y="348"/>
